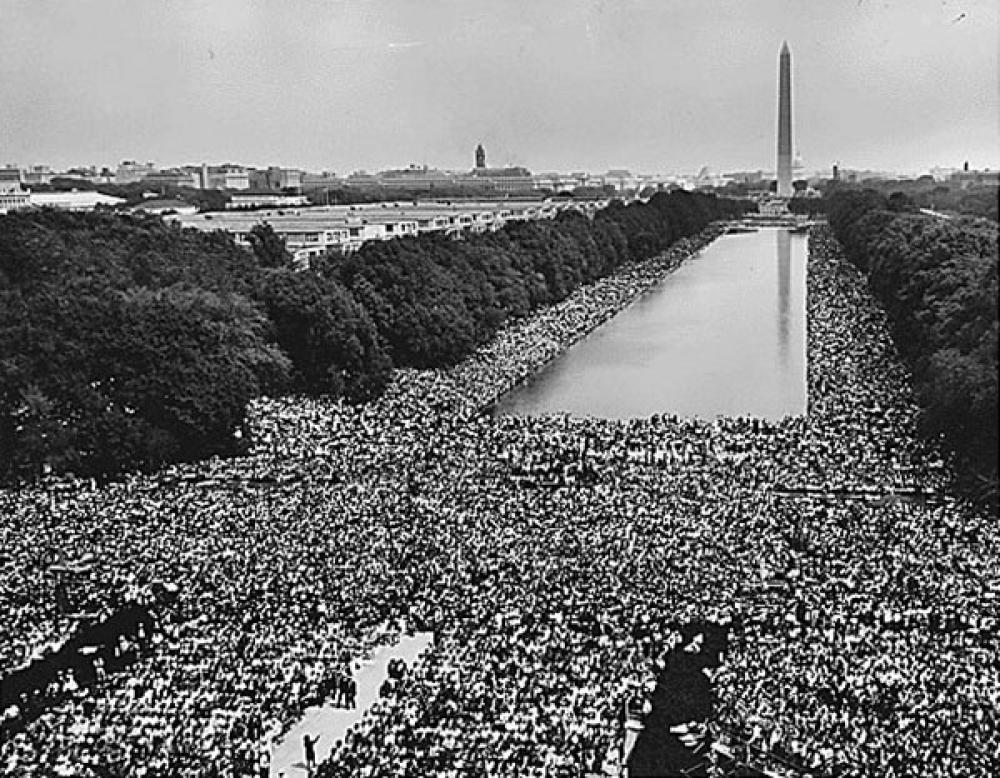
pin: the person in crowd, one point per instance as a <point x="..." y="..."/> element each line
<point x="309" y="750"/>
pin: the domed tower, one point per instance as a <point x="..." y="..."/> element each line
<point x="480" y="157"/>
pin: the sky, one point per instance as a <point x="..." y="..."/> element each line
<point x="648" y="85"/>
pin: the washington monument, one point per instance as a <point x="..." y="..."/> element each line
<point x="784" y="122"/>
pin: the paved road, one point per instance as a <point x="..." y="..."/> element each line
<point x="332" y="723"/>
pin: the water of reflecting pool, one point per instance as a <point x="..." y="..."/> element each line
<point x="724" y="335"/>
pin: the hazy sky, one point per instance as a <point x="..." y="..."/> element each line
<point x="652" y="85"/>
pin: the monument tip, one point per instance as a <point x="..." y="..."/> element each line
<point x="784" y="47"/>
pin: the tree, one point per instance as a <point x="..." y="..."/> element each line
<point x="190" y="360"/>
<point x="126" y="343"/>
<point x="269" y="247"/>
<point x="333" y="345"/>
<point x="901" y="202"/>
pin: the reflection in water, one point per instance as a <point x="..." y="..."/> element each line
<point x="784" y="286"/>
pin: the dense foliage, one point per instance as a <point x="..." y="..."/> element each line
<point x="947" y="196"/>
<point x="434" y="299"/>
<point x="980" y="200"/>
<point x="123" y="343"/>
<point x="128" y="342"/>
<point x="937" y="279"/>
<point x="329" y="338"/>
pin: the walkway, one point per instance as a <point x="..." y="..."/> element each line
<point x="331" y="723"/>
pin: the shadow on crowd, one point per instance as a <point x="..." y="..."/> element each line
<point x="91" y="653"/>
<point x="682" y="701"/>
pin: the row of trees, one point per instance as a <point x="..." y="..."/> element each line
<point x="975" y="199"/>
<point x="433" y="299"/>
<point x="937" y="279"/>
<point x="127" y="342"/>
<point x="980" y="200"/>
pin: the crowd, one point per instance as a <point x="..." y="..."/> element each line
<point x="864" y="629"/>
<point x="881" y="656"/>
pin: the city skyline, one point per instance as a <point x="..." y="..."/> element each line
<point x="591" y="86"/>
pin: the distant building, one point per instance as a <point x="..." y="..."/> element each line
<point x="224" y="177"/>
<point x="773" y="206"/>
<point x="854" y="176"/>
<point x="942" y="173"/>
<point x="559" y="182"/>
<point x="749" y="178"/>
<point x="130" y="171"/>
<point x="233" y="178"/>
<point x="265" y="200"/>
<point x="91" y="175"/>
<point x="12" y="197"/>
<point x="312" y="232"/>
<point x="37" y="175"/>
<point x="324" y="180"/>
<point x="417" y="178"/>
<point x="620" y="179"/>
<point x="174" y="178"/>
<point x="276" y="179"/>
<point x="507" y="179"/>
<point x="160" y="207"/>
<point x="73" y="201"/>
<point x="966" y="178"/>
<point x="362" y="179"/>
<point x="10" y="173"/>
<point x="707" y="179"/>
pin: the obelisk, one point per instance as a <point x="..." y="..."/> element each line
<point x="784" y="122"/>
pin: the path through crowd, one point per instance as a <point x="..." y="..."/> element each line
<point x="331" y="723"/>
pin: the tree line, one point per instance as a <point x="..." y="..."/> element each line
<point x="980" y="200"/>
<point x="127" y="342"/>
<point x="937" y="280"/>
<point x="947" y="196"/>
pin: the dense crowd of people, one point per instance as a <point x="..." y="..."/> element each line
<point x="552" y="559"/>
